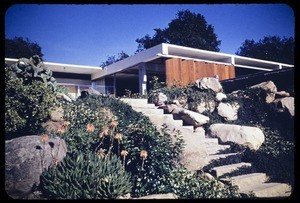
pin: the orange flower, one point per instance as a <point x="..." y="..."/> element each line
<point x="44" y="137"/>
<point x="90" y="128"/>
<point x="104" y="131"/>
<point x="66" y="123"/>
<point x="101" y="153"/>
<point x="61" y="130"/>
<point x="124" y="153"/>
<point x="113" y="123"/>
<point x="143" y="154"/>
<point x="118" y="136"/>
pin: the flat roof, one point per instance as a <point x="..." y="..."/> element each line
<point x="176" y="51"/>
<point x="164" y="51"/>
<point x="64" y="68"/>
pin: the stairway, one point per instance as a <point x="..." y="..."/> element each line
<point x="200" y="150"/>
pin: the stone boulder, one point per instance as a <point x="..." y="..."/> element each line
<point x="268" y="86"/>
<point x="159" y="99"/>
<point x="89" y="91"/>
<point x="200" y="131"/>
<point x="209" y="83"/>
<point x="64" y="97"/>
<point x="228" y="111"/>
<point x="53" y="127"/>
<point x="206" y="106"/>
<point x="181" y="101"/>
<point x="190" y="117"/>
<point x="220" y="96"/>
<point x="281" y="94"/>
<point x="168" y="108"/>
<point x="250" y="137"/>
<point x="285" y="104"/>
<point x="270" y="89"/>
<point x="57" y="114"/>
<point x="26" y="158"/>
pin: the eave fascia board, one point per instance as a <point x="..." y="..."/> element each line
<point x="194" y="59"/>
<point x="64" y="68"/>
<point x="141" y="57"/>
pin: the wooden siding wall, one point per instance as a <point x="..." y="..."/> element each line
<point x="182" y="72"/>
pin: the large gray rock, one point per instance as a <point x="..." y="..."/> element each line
<point x="25" y="159"/>
<point x="220" y="96"/>
<point x="168" y="108"/>
<point x="190" y="117"/>
<point x="250" y="137"/>
<point x="228" y="111"/>
<point x="57" y="114"/>
<point x="270" y="89"/>
<point x="285" y="104"/>
<point x="159" y="99"/>
<point x="89" y="91"/>
<point x="209" y="83"/>
<point x="64" y="97"/>
<point x="268" y="86"/>
<point x="206" y="106"/>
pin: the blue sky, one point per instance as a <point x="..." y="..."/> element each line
<point x="88" y="34"/>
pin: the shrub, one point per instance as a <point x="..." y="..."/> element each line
<point x="86" y="176"/>
<point x="28" y="99"/>
<point x="188" y="185"/>
<point x="138" y="134"/>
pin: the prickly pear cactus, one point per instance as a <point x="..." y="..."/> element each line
<point x="86" y="177"/>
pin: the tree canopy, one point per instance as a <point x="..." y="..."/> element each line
<point x="187" y="29"/>
<point x="112" y="59"/>
<point x="19" y="47"/>
<point x="272" y="48"/>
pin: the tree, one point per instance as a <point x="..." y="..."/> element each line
<point x="21" y="48"/>
<point x="188" y="29"/>
<point x="271" y="48"/>
<point x="112" y="59"/>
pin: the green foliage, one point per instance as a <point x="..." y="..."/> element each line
<point x="129" y="94"/>
<point x="19" y="47"/>
<point x="187" y="29"/>
<point x="112" y="59"/>
<point x="272" y="48"/>
<point x="86" y="176"/>
<point x="138" y="134"/>
<point x="28" y="99"/>
<point x="188" y="185"/>
<point x="191" y="94"/>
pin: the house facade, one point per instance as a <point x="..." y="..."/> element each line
<point x="176" y="65"/>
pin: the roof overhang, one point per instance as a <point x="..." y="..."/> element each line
<point x="164" y="51"/>
<point x="64" y="68"/>
<point x="175" y="51"/>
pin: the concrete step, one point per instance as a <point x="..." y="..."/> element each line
<point x="244" y="181"/>
<point x="214" y="149"/>
<point x="143" y="106"/>
<point x="135" y="102"/>
<point x="220" y="170"/>
<point x="268" y="190"/>
<point x="209" y="158"/>
<point x="210" y="141"/>
<point x="167" y="119"/>
<point x="151" y="111"/>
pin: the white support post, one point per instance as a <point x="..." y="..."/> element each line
<point x="115" y="85"/>
<point x="232" y="60"/>
<point x="78" y="91"/>
<point x="142" y="79"/>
